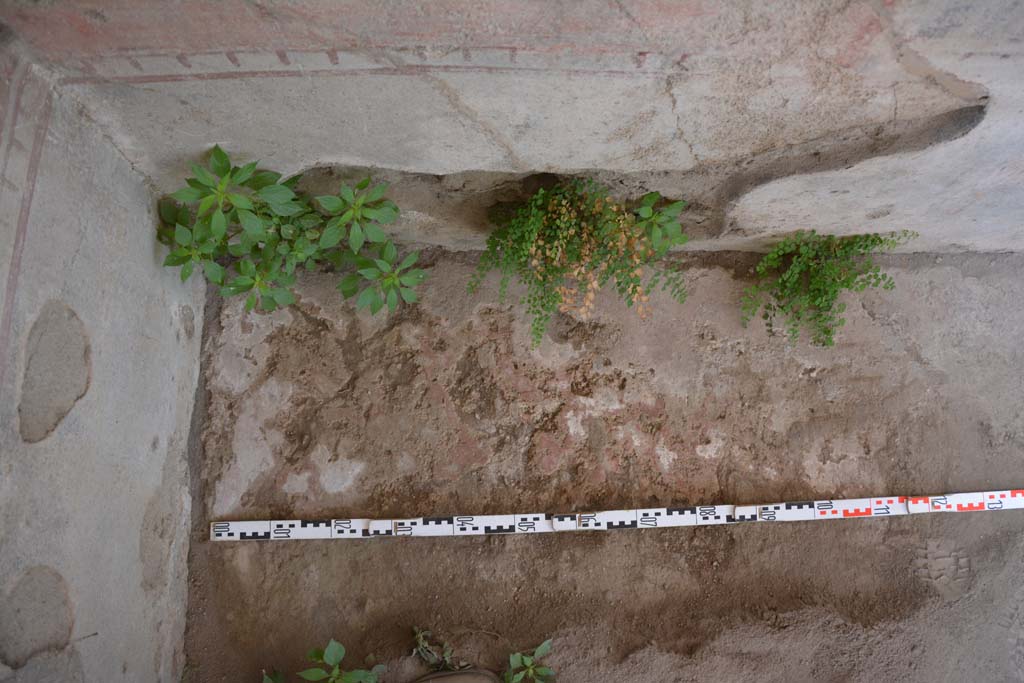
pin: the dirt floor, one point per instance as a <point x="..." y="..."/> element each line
<point x="443" y="408"/>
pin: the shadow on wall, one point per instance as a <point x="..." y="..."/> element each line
<point x="452" y="210"/>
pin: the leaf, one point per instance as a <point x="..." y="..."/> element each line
<point x="276" y="677"/>
<point x="331" y="237"/>
<point x="237" y="286"/>
<point x="218" y="224"/>
<point x="347" y="194"/>
<point x="250" y="301"/>
<point x="389" y="253"/>
<point x="331" y="203"/>
<point x="261" y="179"/>
<point x="519" y="677"/>
<point x="412" y="278"/>
<point x="409" y="260"/>
<point x="366" y="297"/>
<point x="182" y="235"/>
<point x="237" y="249"/>
<point x="392" y="299"/>
<point x="188" y="194"/>
<point x="240" y="201"/>
<point x="408" y="295"/>
<point x="205" y="204"/>
<point x="335" y="651"/>
<point x="355" y="237"/>
<point x="219" y="162"/>
<point x="374" y="233"/>
<point x="186" y="270"/>
<point x="369" y="273"/>
<point x="168" y="211"/>
<point x="203" y="176"/>
<point x="243" y="173"/>
<point x="376" y="192"/>
<point x="372" y="214"/>
<point x="286" y="208"/>
<point x="674" y="209"/>
<point x="383" y="265"/>
<point x="349" y="285"/>
<point x="314" y="674"/>
<point x="251" y="224"/>
<point x="363" y="184"/>
<point x="275" y="194"/>
<point x="544" y="671"/>
<point x="386" y="214"/>
<point x="544" y="648"/>
<point x="214" y="272"/>
<point x="645" y="212"/>
<point x="377" y="303"/>
<point x="246" y="267"/>
<point x="177" y="257"/>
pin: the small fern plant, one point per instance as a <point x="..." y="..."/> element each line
<point x="568" y="242"/>
<point x="801" y="279"/>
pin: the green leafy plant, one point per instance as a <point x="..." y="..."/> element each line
<point x="249" y="231"/>
<point x="330" y="658"/>
<point x="523" y="668"/>
<point x="566" y="243"/>
<point x="801" y="279"/>
<point x="437" y="657"/>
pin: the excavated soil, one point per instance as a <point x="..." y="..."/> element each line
<point x="318" y="411"/>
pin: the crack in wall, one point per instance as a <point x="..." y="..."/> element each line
<point x="678" y="133"/>
<point x="492" y="133"/>
<point x="455" y="100"/>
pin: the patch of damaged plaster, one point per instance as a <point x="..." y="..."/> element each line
<point x="253" y="444"/>
<point x="338" y="473"/>
<point x="57" y="370"/>
<point x="35" y="616"/>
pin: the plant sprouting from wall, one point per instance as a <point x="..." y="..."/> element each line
<point x="566" y="243"/>
<point x="329" y="668"/>
<point x="249" y="231"/>
<point x="801" y="279"/>
<point x="527" y="668"/>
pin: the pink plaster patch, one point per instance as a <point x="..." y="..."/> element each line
<point x="866" y="26"/>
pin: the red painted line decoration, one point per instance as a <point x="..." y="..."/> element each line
<point x="607" y="520"/>
<point x="407" y="70"/>
<point x="39" y="113"/>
